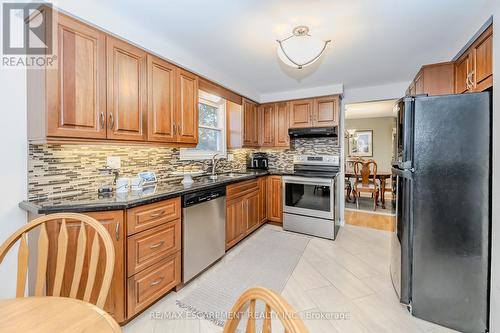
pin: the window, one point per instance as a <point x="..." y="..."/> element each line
<point x="211" y="128"/>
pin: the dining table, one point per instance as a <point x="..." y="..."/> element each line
<point x="54" y="314"/>
<point x="381" y="176"/>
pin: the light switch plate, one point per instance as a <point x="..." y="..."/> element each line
<point x="230" y="157"/>
<point x="113" y="162"/>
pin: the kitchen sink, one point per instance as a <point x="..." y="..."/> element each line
<point x="234" y="174"/>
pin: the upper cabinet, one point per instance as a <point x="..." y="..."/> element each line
<point x="186" y="127"/>
<point x="268" y="115"/>
<point x="474" y="69"/>
<point x="104" y="88"/>
<point x="250" y="124"/>
<point x="317" y="112"/>
<point x="433" y="80"/>
<point x="281" y="124"/>
<point x="75" y="91"/>
<point x="161" y="100"/>
<point x="326" y="111"/>
<point x="301" y="113"/>
<point x="126" y="92"/>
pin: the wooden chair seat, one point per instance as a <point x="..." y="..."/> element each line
<point x="98" y="236"/>
<point x="366" y="187"/>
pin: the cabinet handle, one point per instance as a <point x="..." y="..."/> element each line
<point x="117" y="231"/>
<point x="157" y="245"/>
<point x="101" y="120"/>
<point x="154" y="283"/>
<point x="111" y="121"/>
<point x="472" y="79"/>
<point x="160" y="213"/>
<point x="173" y="128"/>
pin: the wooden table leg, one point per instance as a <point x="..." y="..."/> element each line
<point x="382" y="189"/>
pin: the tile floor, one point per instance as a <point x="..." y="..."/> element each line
<point x="348" y="276"/>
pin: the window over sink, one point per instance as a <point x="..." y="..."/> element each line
<point x="211" y="128"/>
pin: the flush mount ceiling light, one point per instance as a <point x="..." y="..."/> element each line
<point x="300" y="49"/>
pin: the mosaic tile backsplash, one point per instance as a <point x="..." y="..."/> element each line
<point x="56" y="170"/>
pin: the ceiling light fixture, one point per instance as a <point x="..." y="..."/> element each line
<point x="300" y="49"/>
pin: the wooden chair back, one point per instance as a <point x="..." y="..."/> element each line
<point x="273" y="303"/>
<point x="61" y="258"/>
<point x="363" y="170"/>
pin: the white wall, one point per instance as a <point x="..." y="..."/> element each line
<point x="13" y="168"/>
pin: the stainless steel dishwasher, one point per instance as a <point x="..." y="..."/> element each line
<point x="203" y="230"/>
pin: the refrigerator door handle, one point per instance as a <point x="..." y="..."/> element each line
<point x="404" y="173"/>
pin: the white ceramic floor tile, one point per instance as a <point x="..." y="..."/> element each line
<point x="346" y="277"/>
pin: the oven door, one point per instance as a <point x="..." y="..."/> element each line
<point x="308" y="196"/>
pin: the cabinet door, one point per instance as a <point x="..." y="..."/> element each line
<point x="267" y="124"/>
<point x="326" y="110"/>
<point x="462" y="68"/>
<point x="412" y="88"/>
<point x="76" y="99"/>
<point x="263" y="199"/>
<point x="126" y="82"/>
<point x="113" y="222"/>
<point x="250" y="124"/>
<point x="161" y="100"/>
<point x="301" y="113"/>
<point x="187" y="107"/>
<point x="482" y="76"/>
<point x="274" y="200"/>
<point x="252" y="210"/>
<point x="282" y="139"/>
<point x="235" y="221"/>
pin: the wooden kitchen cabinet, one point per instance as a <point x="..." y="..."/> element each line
<point x="113" y="221"/>
<point x="126" y="91"/>
<point x="235" y="221"/>
<point x="70" y="99"/>
<point x="474" y="69"/>
<point x="268" y="118"/>
<point x="252" y="211"/>
<point x="275" y="200"/>
<point x="186" y="127"/>
<point x="161" y="100"/>
<point x="301" y="113"/>
<point x="263" y="199"/>
<point x="281" y="123"/>
<point x="326" y="111"/>
<point x="250" y="124"/>
<point x="433" y="80"/>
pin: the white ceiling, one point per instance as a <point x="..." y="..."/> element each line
<point x="234" y="42"/>
<point x="370" y="109"/>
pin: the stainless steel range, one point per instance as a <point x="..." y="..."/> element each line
<point x="310" y="205"/>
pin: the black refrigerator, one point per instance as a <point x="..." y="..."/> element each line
<point x="441" y="248"/>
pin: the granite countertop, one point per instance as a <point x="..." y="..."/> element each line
<point x="91" y="201"/>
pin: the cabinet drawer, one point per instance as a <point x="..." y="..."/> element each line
<point x="148" y="216"/>
<point x="147" y="286"/>
<point x="148" y="247"/>
<point x="241" y="189"/>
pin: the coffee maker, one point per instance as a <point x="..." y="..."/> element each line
<point x="257" y="161"/>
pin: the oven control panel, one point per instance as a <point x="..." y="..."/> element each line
<point x="316" y="159"/>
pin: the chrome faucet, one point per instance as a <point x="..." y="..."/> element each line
<point x="214" y="164"/>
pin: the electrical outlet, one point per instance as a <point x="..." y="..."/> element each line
<point x="113" y="162"/>
<point x="230" y="157"/>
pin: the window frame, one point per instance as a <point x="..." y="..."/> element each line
<point x="199" y="154"/>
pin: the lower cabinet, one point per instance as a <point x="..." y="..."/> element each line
<point x="274" y="200"/>
<point x="147" y="244"/>
<point x="244" y="212"/>
<point x="113" y="221"/>
<point x="263" y="199"/>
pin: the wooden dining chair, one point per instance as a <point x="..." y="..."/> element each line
<point x="81" y="221"/>
<point x="273" y="303"/>
<point x="364" y="182"/>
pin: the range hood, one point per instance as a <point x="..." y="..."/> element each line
<point x="313" y="132"/>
